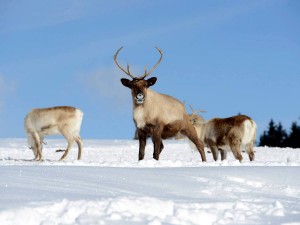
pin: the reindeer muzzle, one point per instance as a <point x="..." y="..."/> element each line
<point x="139" y="99"/>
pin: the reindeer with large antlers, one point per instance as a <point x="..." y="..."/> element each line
<point x="158" y="115"/>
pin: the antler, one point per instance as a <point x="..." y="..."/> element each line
<point x="121" y="68"/>
<point x="196" y="111"/>
<point x="154" y="67"/>
<point x="145" y="69"/>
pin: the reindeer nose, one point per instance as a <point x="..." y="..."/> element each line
<point x="140" y="96"/>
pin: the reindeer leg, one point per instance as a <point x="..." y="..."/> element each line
<point x="223" y="154"/>
<point x="214" y="150"/>
<point x="249" y="150"/>
<point x="157" y="141"/>
<point x="235" y="145"/>
<point x="161" y="147"/>
<point x="70" y="144"/>
<point x="38" y="156"/>
<point x="142" y="135"/>
<point x="79" y="143"/>
<point x="41" y="145"/>
<point x="157" y="147"/>
<point x="190" y="132"/>
<point x="70" y="140"/>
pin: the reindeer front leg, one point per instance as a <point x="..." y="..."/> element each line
<point x="157" y="142"/>
<point x="142" y="141"/>
<point x="38" y="147"/>
<point x="213" y="149"/>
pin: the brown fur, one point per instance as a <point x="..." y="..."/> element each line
<point x="157" y="115"/>
<point x="218" y="133"/>
<point x="194" y="118"/>
<point x="61" y="108"/>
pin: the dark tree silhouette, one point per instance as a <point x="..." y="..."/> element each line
<point x="293" y="140"/>
<point x="276" y="136"/>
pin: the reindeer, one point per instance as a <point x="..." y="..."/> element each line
<point x="193" y="117"/>
<point x="158" y="115"/>
<point x="63" y="120"/>
<point x="225" y="134"/>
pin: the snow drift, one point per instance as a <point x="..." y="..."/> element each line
<point x="110" y="186"/>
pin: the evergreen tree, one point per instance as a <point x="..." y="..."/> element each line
<point x="293" y="140"/>
<point x="275" y="136"/>
<point x="280" y="136"/>
<point x="263" y="140"/>
<point x="267" y="139"/>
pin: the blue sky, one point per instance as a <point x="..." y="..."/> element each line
<point x="226" y="57"/>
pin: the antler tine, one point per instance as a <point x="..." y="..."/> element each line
<point x="128" y="68"/>
<point x="120" y="67"/>
<point x="200" y="110"/>
<point x="145" y="71"/>
<point x="154" y="67"/>
<point x="193" y="111"/>
<point x="196" y="111"/>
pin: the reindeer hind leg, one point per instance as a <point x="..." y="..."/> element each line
<point x="79" y="143"/>
<point x="236" y="150"/>
<point x="249" y="150"/>
<point x="70" y="139"/>
<point x="190" y="132"/>
<point x="70" y="145"/>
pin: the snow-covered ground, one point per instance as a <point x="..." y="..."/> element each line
<point x="110" y="186"/>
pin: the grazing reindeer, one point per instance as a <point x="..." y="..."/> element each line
<point x="232" y="133"/>
<point x="194" y="117"/>
<point x="63" y="120"/>
<point x="158" y="115"/>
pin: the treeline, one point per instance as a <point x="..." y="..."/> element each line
<point x="277" y="136"/>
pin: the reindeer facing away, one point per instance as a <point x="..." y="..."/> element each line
<point x="232" y="133"/>
<point x="63" y="120"/>
<point x="158" y="115"/>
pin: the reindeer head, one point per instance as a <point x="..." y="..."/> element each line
<point x="138" y="85"/>
<point x="194" y="117"/>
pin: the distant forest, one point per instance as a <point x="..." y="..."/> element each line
<point x="277" y="136"/>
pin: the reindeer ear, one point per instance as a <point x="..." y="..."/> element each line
<point x="126" y="82"/>
<point x="151" y="81"/>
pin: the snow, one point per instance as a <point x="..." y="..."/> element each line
<point x="110" y="186"/>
